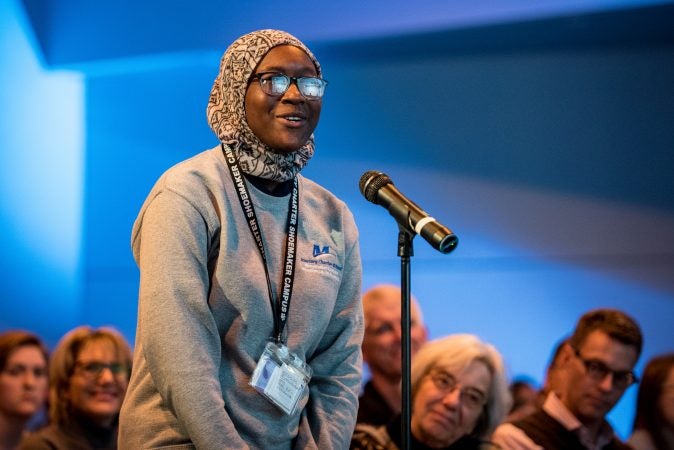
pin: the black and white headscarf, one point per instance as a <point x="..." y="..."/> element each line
<point x="226" y="107"/>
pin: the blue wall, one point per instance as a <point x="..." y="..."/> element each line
<point x="551" y="162"/>
<point x="41" y="186"/>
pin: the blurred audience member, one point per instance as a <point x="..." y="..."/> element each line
<point x="381" y="398"/>
<point x="552" y="373"/>
<point x="23" y="384"/>
<point x="523" y="403"/>
<point x="654" y="420"/>
<point x="525" y="399"/>
<point x="592" y="371"/>
<point x="88" y="375"/>
<point x="459" y="395"/>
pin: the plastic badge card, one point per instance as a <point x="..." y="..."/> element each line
<point x="282" y="378"/>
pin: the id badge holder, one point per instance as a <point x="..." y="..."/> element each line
<point x="282" y="377"/>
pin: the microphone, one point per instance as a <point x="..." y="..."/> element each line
<point x="378" y="188"/>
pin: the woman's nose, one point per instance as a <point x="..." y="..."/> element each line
<point x="452" y="398"/>
<point x="293" y="93"/>
<point x="29" y="379"/>
<point x="105" y="376"/>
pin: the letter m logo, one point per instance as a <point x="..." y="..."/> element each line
<point x="321" y="251"/>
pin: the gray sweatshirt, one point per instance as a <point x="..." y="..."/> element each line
<point x="204" y="315"/>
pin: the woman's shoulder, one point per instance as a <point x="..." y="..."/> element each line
<point x="65" y="437"/>
<point x="641" y="440"/>
<point x="371" y="437"/>
<point x="315" y="188"/>
<point x="195" y="179"/>
<point x="319" y="196"/>
<point x="203" y="167"/>
<point x="47" y="438"/>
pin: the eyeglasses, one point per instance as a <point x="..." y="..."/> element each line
<point x="92" y="370"/>
<point x="446" y="383"/>
<point x="275" y="84"/>
<point x="598" y="371"/>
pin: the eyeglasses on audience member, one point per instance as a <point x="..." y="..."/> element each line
<point x="93" y="369"/>
<point x="598" y="371"/>
<point x="446" y="383"/>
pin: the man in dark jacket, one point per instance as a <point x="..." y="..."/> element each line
<point x="381" y="399"/>
<point x="594" y="369"/>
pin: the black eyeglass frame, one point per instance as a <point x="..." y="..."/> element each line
<point x="597" y="370"/>
<point x="290" y="80"/>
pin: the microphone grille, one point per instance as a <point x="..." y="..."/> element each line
<point x="370" y="183"/>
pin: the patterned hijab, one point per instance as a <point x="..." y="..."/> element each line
<point x="226" y="108"/>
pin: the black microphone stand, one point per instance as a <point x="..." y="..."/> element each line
<point x="405" y="251"/>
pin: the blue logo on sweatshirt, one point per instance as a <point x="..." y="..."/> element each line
<point x="321" y="251"/>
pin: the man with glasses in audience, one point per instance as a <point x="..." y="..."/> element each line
<point x="595" y="367"/>
<point x="382" y="352"/>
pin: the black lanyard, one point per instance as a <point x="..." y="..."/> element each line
<point x="280" y="308"/>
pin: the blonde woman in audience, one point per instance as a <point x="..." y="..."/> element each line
<point x="88" y="375"/>
<point x="23" y="384"/>
<point x="459" y="395"/>
<point x="654" y="420"/>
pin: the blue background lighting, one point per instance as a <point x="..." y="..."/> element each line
<point x="541" y="132"/>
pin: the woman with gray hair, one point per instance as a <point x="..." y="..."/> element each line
<point x="459" y="395"/>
